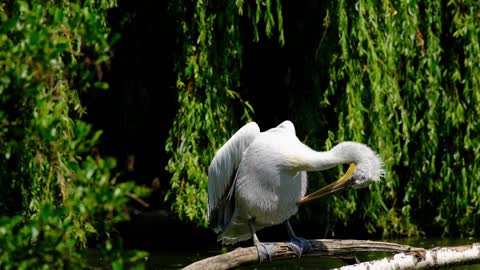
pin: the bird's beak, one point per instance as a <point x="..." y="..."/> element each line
<point x="341" y="184"/>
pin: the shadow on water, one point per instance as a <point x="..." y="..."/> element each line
<point x="179" y="259"/>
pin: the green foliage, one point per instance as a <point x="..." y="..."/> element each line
<point x="406" y="81"/>
<point x="208" y="76"/>
<point x="403" y="77"/>
<point x="54" y="195"/>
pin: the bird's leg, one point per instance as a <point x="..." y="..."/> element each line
<point x="291" y="234"/>
<point x="265" y="250"/>
<point x="298" y="244"/>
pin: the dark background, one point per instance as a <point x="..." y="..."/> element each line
<point x="137" y="112"/>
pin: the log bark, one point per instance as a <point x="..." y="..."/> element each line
<point x="439" y="257"/>
<point x="319" y="247"/>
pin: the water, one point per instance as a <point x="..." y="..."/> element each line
<point x="179" y="259"/>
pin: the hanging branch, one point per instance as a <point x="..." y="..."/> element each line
<point x="319" y="247"/>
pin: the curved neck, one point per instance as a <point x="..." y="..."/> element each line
<point x="318" y="161"/>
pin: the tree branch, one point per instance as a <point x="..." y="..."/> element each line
<point x="319" y="247"/>
<point x="432" y="258"/>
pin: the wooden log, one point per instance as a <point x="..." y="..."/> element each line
<point x="433" y="258"/>
<point x="319" y="247"/>
<point x="332" y="247"/>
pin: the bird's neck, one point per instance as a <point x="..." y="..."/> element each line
<point x="318" y="161"/>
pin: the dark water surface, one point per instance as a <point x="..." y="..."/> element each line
<point x="180" y="259"/>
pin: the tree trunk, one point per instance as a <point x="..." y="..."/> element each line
<point x="433" y="258"/>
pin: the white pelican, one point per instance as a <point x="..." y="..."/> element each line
<point x="258" y="179"/>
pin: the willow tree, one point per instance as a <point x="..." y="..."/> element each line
<point x="208" y="81"/>
<point x="55" y="191"/>
<point x="403" y="77"/>
<point x="408" y="74"/>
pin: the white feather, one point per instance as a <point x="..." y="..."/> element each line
<point x="225" y="163"/>
<point x="267" y="172"/>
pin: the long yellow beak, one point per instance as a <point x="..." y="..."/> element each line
<point x="341" y="184"/>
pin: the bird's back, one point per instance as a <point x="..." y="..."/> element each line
<point x="266" y="186"/>
<point x="266" y="190"/>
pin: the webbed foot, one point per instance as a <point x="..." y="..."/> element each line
<point x="265" y="251"/>
<point x="299" y="245"/>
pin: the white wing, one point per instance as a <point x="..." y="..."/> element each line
<point x="221" y="174"/>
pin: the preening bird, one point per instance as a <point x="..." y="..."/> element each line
<point x="258" y="179"/>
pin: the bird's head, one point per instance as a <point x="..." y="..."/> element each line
<point x="365" y="168"/>
<point x="366" y="165"/>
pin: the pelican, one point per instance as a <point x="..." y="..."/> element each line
<point x="259" y="179"/>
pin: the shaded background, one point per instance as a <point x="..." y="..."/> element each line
<point x="292" y="81"/>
